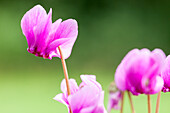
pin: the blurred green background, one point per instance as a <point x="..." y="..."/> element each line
<point x="108" y="29"/>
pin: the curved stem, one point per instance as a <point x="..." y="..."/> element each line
<point x="65" y="73"/>
<point x="122" y="102"/>
<point x="158" y="102"/>
<point x="149" y="103"/>
<point x="131" y="103"/>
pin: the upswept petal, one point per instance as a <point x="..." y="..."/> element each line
<point x="138" y="67"/>
<point x="73" y="86"/>
<point x="32" y="17"/>
<point x="83" y="102"/>
<point x="79" y="99"/>
<point x="89" y="80"/>
<point x="150" y="80"/>
<point x="41" y="32"/>
<point x="54" y="28"/>
<point x="61" y="98"/>
<point x="159" y="55"/>
<point x="67" y="29"/>
<point x="100" y="106"/>
<point x="130" y="54"/>
<point x="120" y="78"/>
<point x="120" y="74"/>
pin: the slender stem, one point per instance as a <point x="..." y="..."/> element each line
<point x="131" y="103"/>
<point x="158" y="102"/>
<point x="149" y="103"/>
<point x="122" y="102"/>
<point x="65" y="73"/>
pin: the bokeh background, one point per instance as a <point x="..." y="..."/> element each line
<point x="108" y="29"/>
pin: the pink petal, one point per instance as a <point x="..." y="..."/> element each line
<point x="141" y="69"/>
<point x="67" y="29"/>
<point x="78" y="99"/>
<point x="100" y="106"/>
<point x="89" y="80"/>
<point x="120" y="78"/>
<point x="54" y="28"/>
<point x="73" y="86"/>
<point x="159" y="54"/>
<point x="120" y="74"/>
<point x="97" y="107"/>
<point x="61" y="98"/>
<point x="33" y="17"/>
<point x="86" y="100"/>
<point x="42" y="31"/>
<point x="159" y="57"/>
<point x="129" y="55"/>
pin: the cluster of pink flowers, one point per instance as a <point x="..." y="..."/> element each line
<point x="143" y="72"/>
<point x="140" y="72"/>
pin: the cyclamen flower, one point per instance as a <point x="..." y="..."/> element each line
<point x="139" y="72"/>
<point x="114" y="97"/>
<point x="44" y="37"/>
<point x="166" y="75"/>
<point x="88" y="97"/>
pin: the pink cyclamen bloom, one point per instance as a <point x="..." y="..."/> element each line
<point x="114" y="97"/>
<point x="44" y="37"/>
<point x="88" y="97"/>
<point x="166" y="75"/>
<point x="139" y="72"/>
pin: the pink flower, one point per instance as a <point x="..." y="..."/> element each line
<point x="139" y="72"/>
<point x="44" y="37"/>
<point x="166" y="75"/>
<point x="88" y="97"/>
<point x="114" y="97"/>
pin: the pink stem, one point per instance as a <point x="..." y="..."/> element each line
<point x="149" y="103"/>
<point x="158" y="102"/>
<point x="131" y="103"/>
<point x="65" y="73"/>
<point x="122" y="102"/>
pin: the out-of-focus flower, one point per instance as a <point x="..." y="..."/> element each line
<point x="44" y="37"/>
<point x="139" y="72"/>
<point x="114" y="97"/>
<point x="166" y="75"/>
<point x="88" y="97"/>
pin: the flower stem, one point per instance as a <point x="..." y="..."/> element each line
<point x="149" y="103"/>
<point x="158" y="102"/>
<point x="131" y="103"/>
<point x="65" y="73"/>
<point x="122" y="102"/>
